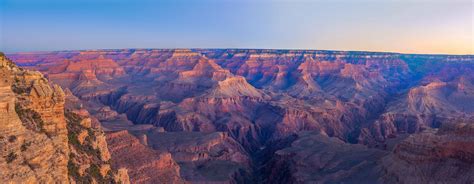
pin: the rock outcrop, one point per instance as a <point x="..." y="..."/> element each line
<point x="445" y="155"/>
<point x="144" y="165"/>
<point x="41" y="141"/>
<point x="202" y="157"/>
<point x="34" y="138"/>
<point x="436" y="155"/>
<point x="258" y="97"/>
<point x="316" y="158"/>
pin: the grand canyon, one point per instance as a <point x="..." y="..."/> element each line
<point x="236" y="116"/>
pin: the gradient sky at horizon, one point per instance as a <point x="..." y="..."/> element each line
<point x="407" y="26"/>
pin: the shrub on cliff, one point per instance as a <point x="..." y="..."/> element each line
<point x="85" y="149"/>
<point x="30" y="119"/>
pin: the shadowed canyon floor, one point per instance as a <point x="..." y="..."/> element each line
<point x="273" y="116"/>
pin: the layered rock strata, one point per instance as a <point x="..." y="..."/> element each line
<point x="41" y="141"/>
<point x="259" y="97"/>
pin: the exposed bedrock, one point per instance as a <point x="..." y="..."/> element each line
<point x="445" y="155"/>
<point x="257" y="98"/>
<point x="43" y="139"/>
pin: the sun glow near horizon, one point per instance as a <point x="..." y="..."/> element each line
<point x="405" y="26"/>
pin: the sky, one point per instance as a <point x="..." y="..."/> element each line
<point x="406" y="26"/>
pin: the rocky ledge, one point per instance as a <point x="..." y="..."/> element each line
<point x="41" y="141"/>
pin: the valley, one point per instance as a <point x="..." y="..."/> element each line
<point x="272" y="116"/>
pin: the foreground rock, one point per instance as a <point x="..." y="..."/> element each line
<point x="41" y="141"/>
<point x="33" y="127"/>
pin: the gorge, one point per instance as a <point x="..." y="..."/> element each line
<point x="241" y="115"/>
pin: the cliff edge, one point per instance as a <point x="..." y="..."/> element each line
<point x="41" y="141"/>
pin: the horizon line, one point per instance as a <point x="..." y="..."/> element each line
<point x="236" y="48"/>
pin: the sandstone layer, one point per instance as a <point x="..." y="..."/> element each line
<point x="41" y="140"/>
<point x="252" y="99"/>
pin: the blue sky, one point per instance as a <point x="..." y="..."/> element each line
<point x="409" y="26"/>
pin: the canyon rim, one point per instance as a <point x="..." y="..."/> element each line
<point x="238" y="116"/>
<point x="236" y="91"/>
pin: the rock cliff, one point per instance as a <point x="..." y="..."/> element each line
<point x="445" y="155"/>
<point x="41" y="141"/>
<point x="255" y="98"/>
<point x="144" y="165"/>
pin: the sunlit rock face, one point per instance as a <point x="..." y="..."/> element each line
<point x="43" y="141"/>
<point x="255" y="98"/>
<point x="33" y="130"/>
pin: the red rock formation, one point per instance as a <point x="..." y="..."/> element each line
<point x="144" y="165"/>
<point x="426" y="106"/>
<point x="445" y="155"/>
<point x="359" y="80"/>
<point x="198" y="153"/>
<point x="41" y="141"/>
<point x="262" y="96"/>
<point x="314" y="158"/>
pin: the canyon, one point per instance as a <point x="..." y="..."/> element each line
<point x="243" y="115"/>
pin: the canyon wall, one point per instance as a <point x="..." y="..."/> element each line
<point x="240" y="102"/>
<point x="43" y="142"/>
